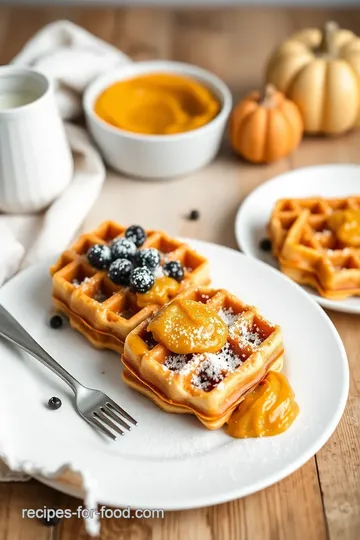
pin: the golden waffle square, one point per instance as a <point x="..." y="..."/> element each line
<point x="208" y="385"/>
<point x="309" y="251"/>
<point x="98" y="308"/>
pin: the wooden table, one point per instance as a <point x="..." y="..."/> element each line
<point x="322" y="499"/>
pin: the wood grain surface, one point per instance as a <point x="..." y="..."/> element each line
<point x="321" y="500"/>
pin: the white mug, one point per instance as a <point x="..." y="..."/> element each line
<point x="35" y="158"/>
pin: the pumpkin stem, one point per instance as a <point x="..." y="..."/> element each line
<point x="327" y="45"/>
<point x="267" y="97"/>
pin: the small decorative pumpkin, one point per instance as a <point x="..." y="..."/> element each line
<point x="265" y="128"/>
<point x="320" y="72"/>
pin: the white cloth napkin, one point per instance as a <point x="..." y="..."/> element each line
<point x="72" y="57"/>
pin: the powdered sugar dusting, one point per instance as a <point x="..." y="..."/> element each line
<point x="159" y="272"/>
<point x="228" y="316"/>
<point x="77" y="282"/>
<point x="214" y="367"/>
<point x="176" y="362"/>
<point x="241" y="331"/>
<point x="209" y="368"/>
<point x="324" y="232"/>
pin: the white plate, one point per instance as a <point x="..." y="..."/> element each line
<point x="320" y="181"/>
<point x="169" y="461"/>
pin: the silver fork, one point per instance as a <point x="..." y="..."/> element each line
<point x="94" y="406"/>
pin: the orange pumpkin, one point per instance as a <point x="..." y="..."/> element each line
<point x="265" y="128"/>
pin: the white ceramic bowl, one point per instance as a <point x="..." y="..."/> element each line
<point x="157" y="156"/>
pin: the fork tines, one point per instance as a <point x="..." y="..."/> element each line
<point x="107" y="418"/>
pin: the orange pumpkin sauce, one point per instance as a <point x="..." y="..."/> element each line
<point x="157" y="104"/>
<point x="269" y="410"/>
<point x="136" y="344"/>
<point x="189" y="327"/>
<point x="346" y="225"/>
<point x="160" y="293"/>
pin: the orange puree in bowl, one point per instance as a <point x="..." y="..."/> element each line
<point x="157" y="104"/>
<point x="269" y="410"/>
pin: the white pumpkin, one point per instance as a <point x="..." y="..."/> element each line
<point x="320" y="72"/>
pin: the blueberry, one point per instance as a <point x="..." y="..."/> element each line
<point x="120" y="271"/>
<point x="99" y="256"/>
<point x="149" y="257"/>
<point x="123" y="248"/>
<point x="194" y="215"/>
<point x="265" y="244"/>
<point x="136" y="234"/>
<point x="142" y="280"/>
<point x="56" y="321"/>
<point x="54" y="403"/>
<point x="174" y="269"/>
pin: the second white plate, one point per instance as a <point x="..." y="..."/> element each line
<point x="319" y="181"/>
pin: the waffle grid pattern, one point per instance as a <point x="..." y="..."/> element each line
<point x="309" y="251"/>
<point x="97" y="307"/>
<point x="210" y="385"/>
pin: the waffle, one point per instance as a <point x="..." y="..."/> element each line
<point x="308" y="248"/>
<point x="209" y="386"/>
<point x="105" y="313"/>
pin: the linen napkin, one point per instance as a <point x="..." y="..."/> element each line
<point x="71" y="57"/>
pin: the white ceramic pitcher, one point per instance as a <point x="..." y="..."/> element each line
<point x="35" y="159"/>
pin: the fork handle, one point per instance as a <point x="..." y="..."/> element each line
<point x="11" y="330"/>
